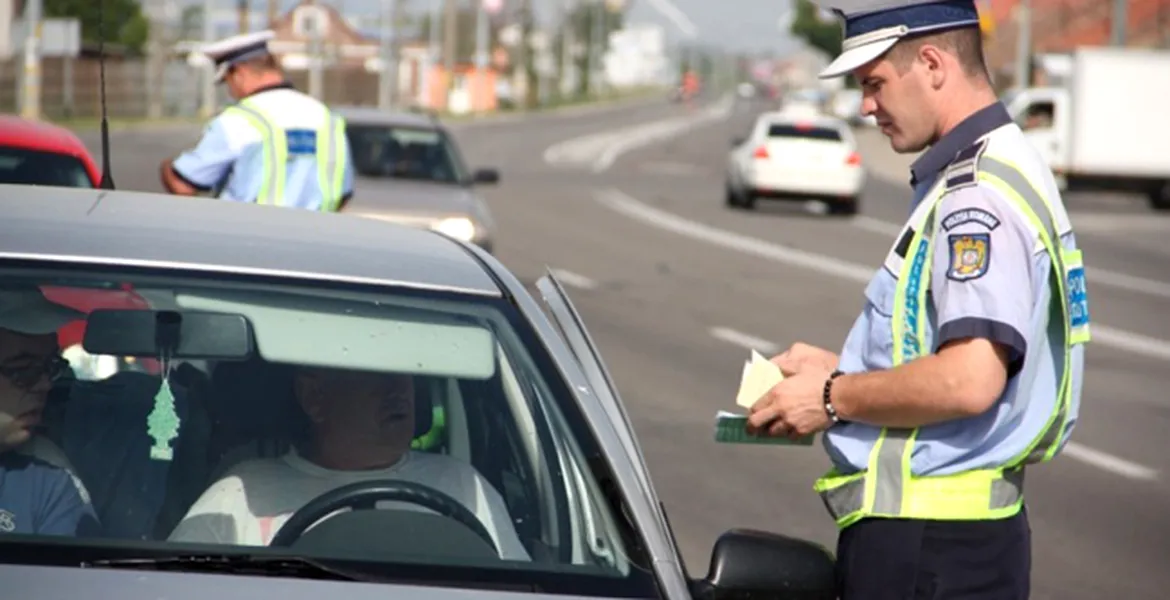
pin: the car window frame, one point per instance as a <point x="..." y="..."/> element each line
<point x="642" y="581"/>
<point x="463" y="176"/>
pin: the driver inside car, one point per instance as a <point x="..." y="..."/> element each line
<point x="360" y="429"/>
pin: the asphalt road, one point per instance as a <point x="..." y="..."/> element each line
<point x="675" y="287"/>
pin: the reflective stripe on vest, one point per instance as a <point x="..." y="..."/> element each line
<point x="330" y="156"/>
<point x="887" y="488"/>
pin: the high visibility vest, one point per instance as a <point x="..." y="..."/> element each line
<point x="887" y="488"/>
<point x="331" y="149"/>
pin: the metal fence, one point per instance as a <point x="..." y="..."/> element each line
<point x="70" y="88"/>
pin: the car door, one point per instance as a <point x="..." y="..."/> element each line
<point x="568" y="321"/>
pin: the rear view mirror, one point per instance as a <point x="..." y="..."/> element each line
<point x="189" y="335"/>
<point x="757" y="564"/>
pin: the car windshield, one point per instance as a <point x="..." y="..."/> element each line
<point x="808" y="132"/>
<point x="400" y="152"/>
<point x="37" y="167"/>
<point x="406" y="434"/>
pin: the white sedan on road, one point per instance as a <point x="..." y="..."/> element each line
<point x="796" y="156"/>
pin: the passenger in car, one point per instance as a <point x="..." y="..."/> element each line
<point x="360" y="429"/>
<point x="38" y="494"/>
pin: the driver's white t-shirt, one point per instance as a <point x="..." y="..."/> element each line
<point x="255" y="498"/>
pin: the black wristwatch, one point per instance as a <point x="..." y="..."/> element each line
<point x="827" y="397"/>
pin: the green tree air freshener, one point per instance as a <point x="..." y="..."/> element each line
<point x="163" y="423"/>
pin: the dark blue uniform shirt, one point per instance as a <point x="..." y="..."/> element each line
<point x="39" y="498"/>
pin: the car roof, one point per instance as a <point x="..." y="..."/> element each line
<point x="207" y="234"/>
<point x="795" y="117"/>
<point x="364" y="115"/>
<point x="18" y="132"/>
<point x="28" y="133"/>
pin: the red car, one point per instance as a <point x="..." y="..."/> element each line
<point x="38" y="153"/>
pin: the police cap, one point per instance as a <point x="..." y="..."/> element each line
<point x="872" y="27"/>
<point x="235" y="49"/>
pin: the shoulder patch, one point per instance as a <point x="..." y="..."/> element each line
<point x="970" y="215"/>
<point x="963" y="168"/>
<point x="970" y="255"/>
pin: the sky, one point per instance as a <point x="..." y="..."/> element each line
<point x="736" y="25"/>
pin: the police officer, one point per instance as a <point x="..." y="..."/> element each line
<point x="966" y="363"/>
<point x="274" y="146"/>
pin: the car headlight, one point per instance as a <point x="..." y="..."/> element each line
<point x="460" y="228"/>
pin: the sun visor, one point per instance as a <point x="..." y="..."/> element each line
<point x="346" y="335"/>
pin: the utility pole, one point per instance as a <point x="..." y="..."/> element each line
<point x="525" y="54"/>
<point x="481" y="51"/>
<point x="1120" y="21"/>
<point x="30" y="106"/>
<point x="435" y="49"/>
<point x="156" y="53"/>
<point x="316" y="60"/>
<point x="242" y="15"/>
<point x="1024" y="44"/>
<point x="388" y="73"/>
<point x="597" y="64"/>
<point x="481" y="35"/>
<point x="208" y="106"/>
<point x="567" y="38"/>
<point x="450" y="44"/>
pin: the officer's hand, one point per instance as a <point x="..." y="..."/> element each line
<point x="794" y="407"/>
<point x="801" y="356"/>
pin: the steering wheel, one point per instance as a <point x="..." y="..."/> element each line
<point x="363" y="495"/>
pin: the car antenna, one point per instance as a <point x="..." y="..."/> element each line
<point x="107" y="177"/>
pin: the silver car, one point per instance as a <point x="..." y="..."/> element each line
<point x="319" y="407"/>
<point x="409" y="170"/>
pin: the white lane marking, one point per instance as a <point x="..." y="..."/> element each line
<point x="572" y="279"/>
<point x="579" y="149"/>
<point x="661" y="131"/>
<point x="1108" y="462"/>
<point x="628" y="206"/>
<point x="1121" y="281"/>
<point x="744" y="340"/>
<point x="624" y="204"/>
<point x="600" y="150"/>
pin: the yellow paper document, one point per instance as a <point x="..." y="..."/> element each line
<point x="759" y="376"/>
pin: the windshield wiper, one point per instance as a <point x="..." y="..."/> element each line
<point x="275" y="566"/>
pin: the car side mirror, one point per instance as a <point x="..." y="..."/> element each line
<point x="765" y="566"/>
<point x="488" y="176"/>
<point x="737" y="142"/>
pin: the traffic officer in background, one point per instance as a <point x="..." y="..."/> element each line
<point x="274" y="146"/>
<point x="966" y="363"/>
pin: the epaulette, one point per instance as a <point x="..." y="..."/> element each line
<point x="961" y="172"/>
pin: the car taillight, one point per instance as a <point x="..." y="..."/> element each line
<point x="854" y="159"/>
<point x="760" y="152"/>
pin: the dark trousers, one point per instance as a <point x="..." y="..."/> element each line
<point x="900" y="559"/>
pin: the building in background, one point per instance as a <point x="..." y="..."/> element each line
<point x="1059" y="26"/>
<point x="637" y="57"/>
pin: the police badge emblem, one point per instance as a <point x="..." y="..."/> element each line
<point x="969" y="255"/>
